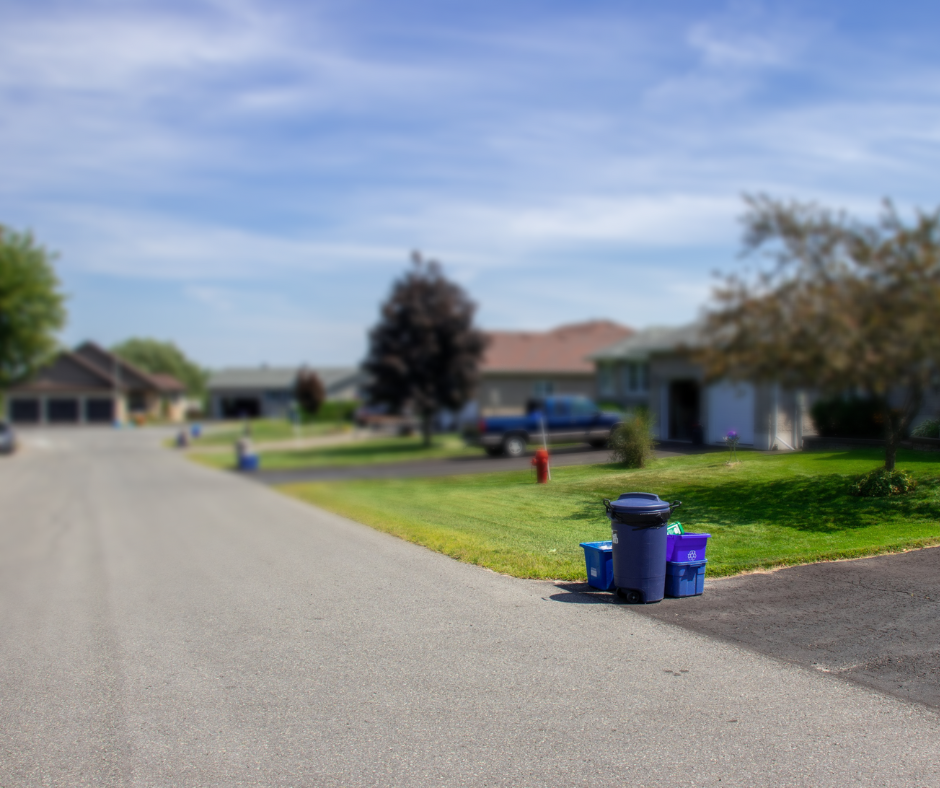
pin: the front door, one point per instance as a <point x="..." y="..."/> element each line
<point x="684" y="396"/>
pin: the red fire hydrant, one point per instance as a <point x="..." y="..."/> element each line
<point x="540" y="461"/>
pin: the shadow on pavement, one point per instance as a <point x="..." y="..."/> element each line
<point x="873" y="621"/>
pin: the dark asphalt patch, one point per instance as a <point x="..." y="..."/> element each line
<point x="875" y="621"/>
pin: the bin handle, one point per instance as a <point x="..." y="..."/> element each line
<point x="606" y="504"/>
<point x="674" y="505"/>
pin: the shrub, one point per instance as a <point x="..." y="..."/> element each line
<point x="631" y="442"/>
<point x="849" y="417"/>
<point x="927" y="429"/>
<point x="333" y="410"/>
<point x="881" y="483"/>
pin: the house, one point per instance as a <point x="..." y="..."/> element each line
<point x="90" y="385"/>
<point x="253" y="392"/>
<point x="651" y="368"/>
<point x="519" y="365"/>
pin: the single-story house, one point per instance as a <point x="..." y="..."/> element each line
<point x="90" y="385"/>
<point x="255" y="392"/>
<point x="519" y="365"/>
<point x="650" y="368"/>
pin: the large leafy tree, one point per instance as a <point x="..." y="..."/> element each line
<point x="424" y="352"/>
<point x="836" y="305"/>
<point x="157" y="357"/>
<point x="32" y="307"/>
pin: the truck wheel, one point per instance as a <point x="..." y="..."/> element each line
<point x="514" y="446"/>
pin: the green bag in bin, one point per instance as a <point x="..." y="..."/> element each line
<point x="674" y="529"/>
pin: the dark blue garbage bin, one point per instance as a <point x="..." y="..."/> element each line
<point x="638" y="532"/>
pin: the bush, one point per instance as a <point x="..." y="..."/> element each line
<point x="631" y="442"/>
<point x="881" y="483"/>
<point x="333" y="410"/>
<point x="849" y="417"/>
<point x="927" y="429"/>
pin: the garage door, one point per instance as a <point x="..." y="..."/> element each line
<point x="731" y="407"/>
<point x="99" y="410"/>
<point x="24" y="411"/>
<point x="62" y="410"/>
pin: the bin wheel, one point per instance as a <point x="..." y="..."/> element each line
<point x="632" y="597"/>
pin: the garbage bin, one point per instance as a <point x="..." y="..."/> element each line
<point x="638" y="532"/>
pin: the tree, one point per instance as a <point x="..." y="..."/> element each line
<point x="424" y="352"/>
<point x="839" y="306"/>
<point x="309" y="391"/>
<point x="163" y="358"/>
<point x="32" y="308"/>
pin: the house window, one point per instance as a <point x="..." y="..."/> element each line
<point x="543" y="388"/>
<point x="137" y="402"/>
<point x="605" y="380"/>
<point x="635" y="377"/>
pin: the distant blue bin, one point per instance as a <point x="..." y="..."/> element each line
<point x="195" y="430"/>
<point x="248" y="462"/>
<point x="685" y="578"/>
<point x="598" y="557"/>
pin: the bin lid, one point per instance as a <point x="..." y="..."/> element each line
<point x="639" y="503"/>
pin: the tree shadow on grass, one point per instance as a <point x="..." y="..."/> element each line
<point x="815" y="504"/>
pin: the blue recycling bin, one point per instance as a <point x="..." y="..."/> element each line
<point x="638" y="532"/>
<point x="598" y="562"/>
<point x="248" y="462"/>
<point x="685" y="578"/>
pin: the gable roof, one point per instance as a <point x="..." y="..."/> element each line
<point x="91" y="367"/>
<point x="67" y="372"/>
<point x="651" y="341"/>
<point x="563" y="349"/>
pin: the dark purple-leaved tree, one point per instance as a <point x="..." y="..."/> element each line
<point x="425" y="350"/>
<point x="840" y="305"/>
<point x="309" y="391"/>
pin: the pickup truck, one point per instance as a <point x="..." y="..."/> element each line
<point x="566" y="420"/>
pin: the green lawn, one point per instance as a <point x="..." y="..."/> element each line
<point x="771" y="510"/>
<point x="359" y="452"/>
<point x="269" y="430"/>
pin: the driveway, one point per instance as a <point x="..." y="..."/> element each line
<point x="165" y="624"/>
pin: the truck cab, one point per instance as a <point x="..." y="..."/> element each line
<point x="562" y="419"/>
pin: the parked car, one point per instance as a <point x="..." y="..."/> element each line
<point x="570" y="419"/>
<point x="7" y="439"/>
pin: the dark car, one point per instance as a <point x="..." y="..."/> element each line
<point x="7" y="439"/>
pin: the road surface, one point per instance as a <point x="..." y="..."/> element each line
<point x="164" y="624"/>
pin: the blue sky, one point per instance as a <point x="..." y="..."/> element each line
<point x="248" y="178"/>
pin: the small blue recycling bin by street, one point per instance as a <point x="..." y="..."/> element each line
<point x="248" y="462"/>
<point x="195" y="430"/>
<point x="685" y="578"/>
<point x="598" y="557"/>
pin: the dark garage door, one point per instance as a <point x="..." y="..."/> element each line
<point x="99" y="410"/>
<point x="62" y="411"/>
<point x="24" y="411"/>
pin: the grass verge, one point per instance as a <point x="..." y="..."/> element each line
<point x="768" y="511"/>
<point x="263" y="430"/>
<point x="359" y="452"/>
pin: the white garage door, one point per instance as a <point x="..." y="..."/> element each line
<point x="731" y="407"/>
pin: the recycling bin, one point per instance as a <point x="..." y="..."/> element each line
<point x="686" y="546"/>
<point x="685" y="578"/>
<point x="597" y="561"/>
<point x="638" y="534"/>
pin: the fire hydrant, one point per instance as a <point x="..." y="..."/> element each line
<point x="540" y="461"/>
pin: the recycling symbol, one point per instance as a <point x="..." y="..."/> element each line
<point x="691" y="555"/>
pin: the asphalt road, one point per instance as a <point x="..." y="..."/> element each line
<point x="163" y="624"/>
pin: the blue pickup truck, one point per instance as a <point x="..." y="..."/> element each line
<point x="566" y="420"/>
